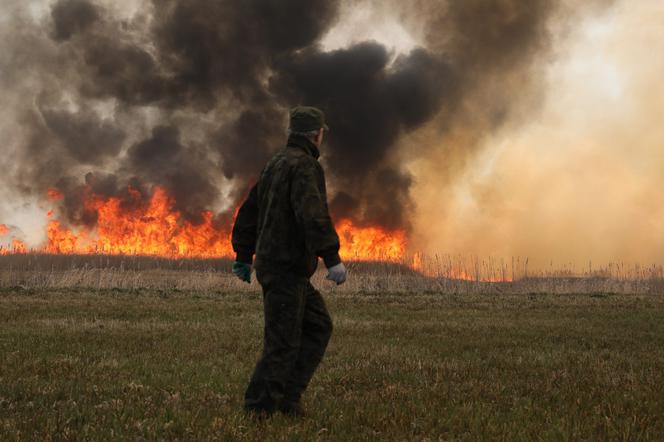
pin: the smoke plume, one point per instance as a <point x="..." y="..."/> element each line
<point x="192" y="95"/>
<point x="577" y="181"/>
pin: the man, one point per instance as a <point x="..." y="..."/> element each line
<point x="285" y="222"/>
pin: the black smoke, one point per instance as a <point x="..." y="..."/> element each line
<point x="192" y="95"/>
<point x="86" y="138"/>
<point x="370" y="102"/>
<point x="71" y="17"/>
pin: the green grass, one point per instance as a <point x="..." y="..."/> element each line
<point x="173" y="365"/>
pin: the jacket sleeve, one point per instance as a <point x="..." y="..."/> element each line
<point x="245" y="228"/>
<point x="308" y="199"/>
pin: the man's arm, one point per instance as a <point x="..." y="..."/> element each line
<point x="245" y="228"/>
<point x="309" y="203"/>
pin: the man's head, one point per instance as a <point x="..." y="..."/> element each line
<point x="309" y="122"/>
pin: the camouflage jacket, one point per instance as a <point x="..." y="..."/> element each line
<point x="285" y="219"/>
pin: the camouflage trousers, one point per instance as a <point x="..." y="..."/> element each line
<point x="297" y="330"/>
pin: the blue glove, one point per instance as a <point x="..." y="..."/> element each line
<point x="242" y="271"/>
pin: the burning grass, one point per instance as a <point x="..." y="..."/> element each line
<point x="165" y="364"/>
<point x="143" y="241"/>
<point x="137" y="224"/>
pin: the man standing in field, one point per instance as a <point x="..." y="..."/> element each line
<point x="285" y="222"/>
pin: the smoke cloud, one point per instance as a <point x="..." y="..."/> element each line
<point x="579" y="180"/>
<point x="192" y="95"/>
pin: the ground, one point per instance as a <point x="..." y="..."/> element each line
<point x="155" y="364"/>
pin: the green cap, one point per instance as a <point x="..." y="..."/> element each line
<point x="307" y="119"/>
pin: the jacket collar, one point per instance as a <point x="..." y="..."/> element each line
<point x="303" y="143"/>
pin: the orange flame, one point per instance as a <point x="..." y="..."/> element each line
<point x="370" y="243"/>
<point x="54" y="194"/>
<point x="19" y="246"/>
<point x="158" y="229"/>
<point x="61" y="240"/>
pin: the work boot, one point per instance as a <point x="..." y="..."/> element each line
<point x="292" y="409"/>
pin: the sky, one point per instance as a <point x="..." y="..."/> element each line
<point x="575" y="175"/>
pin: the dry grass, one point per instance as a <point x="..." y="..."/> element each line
<point x="79" y="364"/>
<point x="435" y="275"/>
<point x="135" y="348"/>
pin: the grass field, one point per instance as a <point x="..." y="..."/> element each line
<point x="173" y="364"/>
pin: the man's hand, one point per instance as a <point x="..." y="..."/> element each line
<point x="242" y="271"/>
<point x="337" y="273"/>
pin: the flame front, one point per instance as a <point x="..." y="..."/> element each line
<point x="159" y="229"/>
<point x="370" y="243"/>
<point x="17" y="246"/>
<point x="155" y="229"/>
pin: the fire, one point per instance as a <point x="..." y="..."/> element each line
<point x="17" y="246"/>
<point x="155" y="229"/>
<point x="158" y="229"/>
<point x="370" y="243"/>
<point x="54" y="194"/>
<point x="61" y="240"/>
